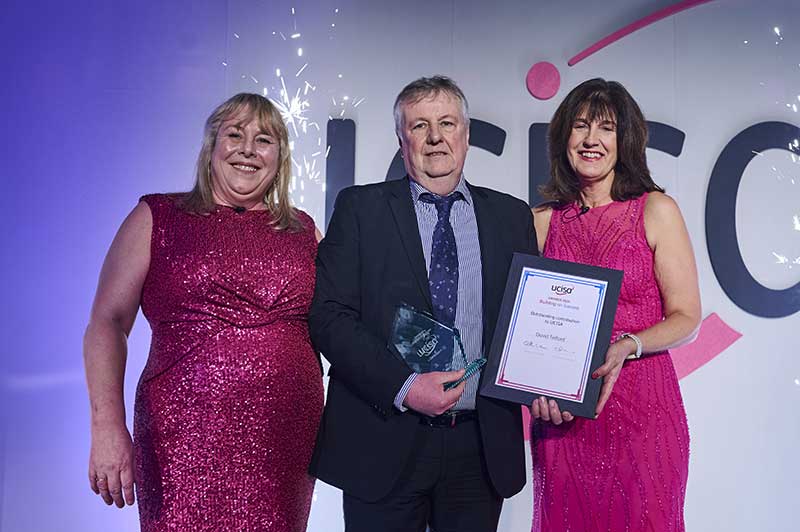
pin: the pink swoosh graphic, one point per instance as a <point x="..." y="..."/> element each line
<point x="714" y="337"/>
<point x="639" y="24"/>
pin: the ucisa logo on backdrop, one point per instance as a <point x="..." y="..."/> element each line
<point x="721" y="236"/>
<point x="543" y="82"/>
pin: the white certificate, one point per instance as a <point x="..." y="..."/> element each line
<point x="549" y="345"/>
<point x="553" y="330"/>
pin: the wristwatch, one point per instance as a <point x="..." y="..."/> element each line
<point x="638" y="353"/>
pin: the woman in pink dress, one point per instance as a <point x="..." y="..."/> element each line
<point x="626" y="470"/>
<point x="228" y="406"/>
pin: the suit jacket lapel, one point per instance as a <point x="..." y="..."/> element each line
<point x="406" y="219"/>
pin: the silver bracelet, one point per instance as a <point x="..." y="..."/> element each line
<point x="638" y="353"/>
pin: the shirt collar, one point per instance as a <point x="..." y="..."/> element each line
<point x="417" y="189"/>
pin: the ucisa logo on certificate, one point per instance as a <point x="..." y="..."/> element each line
<point x="561" y="290"/>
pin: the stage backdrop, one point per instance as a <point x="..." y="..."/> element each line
<point x="105" y="101"/>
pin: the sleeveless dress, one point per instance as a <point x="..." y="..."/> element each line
<point x="626" y="470"/>
<point x="228" y="405"/>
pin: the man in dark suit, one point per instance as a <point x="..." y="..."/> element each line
<point x="406" y="452"/>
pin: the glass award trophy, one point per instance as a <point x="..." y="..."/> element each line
<point x="427" y="345"/>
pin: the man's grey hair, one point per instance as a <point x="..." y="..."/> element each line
<point x="427" y="87"/>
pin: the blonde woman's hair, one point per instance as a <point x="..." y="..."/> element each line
<point x="200" y="199"/>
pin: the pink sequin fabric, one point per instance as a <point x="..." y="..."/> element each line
<point x="626" y="470"/>
<point x="228" y="406"/>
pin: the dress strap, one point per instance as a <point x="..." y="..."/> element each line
<point x="640" y="204"/>
<point x="553" y="226"/>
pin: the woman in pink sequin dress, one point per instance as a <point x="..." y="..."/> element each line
<point x="228" y="406"/>
<point x="626" y="470"/>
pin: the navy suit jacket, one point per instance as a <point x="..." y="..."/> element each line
<point x="369" y="262"/>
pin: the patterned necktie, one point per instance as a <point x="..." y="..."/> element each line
<point x="443" y="275"/>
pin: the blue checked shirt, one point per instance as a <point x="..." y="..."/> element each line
<point x="469" y="309"/>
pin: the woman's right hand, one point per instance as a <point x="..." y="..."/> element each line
<point x="105" y="354"/>
<point x="111" y="465"/>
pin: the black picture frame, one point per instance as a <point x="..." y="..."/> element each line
<point x="522" y="264"/>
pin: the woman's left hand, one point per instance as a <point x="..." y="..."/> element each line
<point x="546" y="410"/>
<point x="615" y="357"/>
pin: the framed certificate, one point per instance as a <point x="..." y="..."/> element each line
<point x="553" y="331"/>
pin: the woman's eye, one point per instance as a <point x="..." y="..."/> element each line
<point x="234" y="135"/>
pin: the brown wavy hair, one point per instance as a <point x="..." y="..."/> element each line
<point x="200" y="199"/>
<point x="599" y="99"/>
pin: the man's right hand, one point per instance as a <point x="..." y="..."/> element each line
<point x="427" y="395"/>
